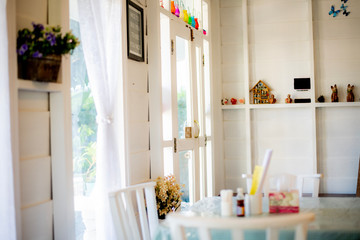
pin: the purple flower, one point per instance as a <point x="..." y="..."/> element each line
<point x="51" y="38"/>
<point x="37" y="54"/>
<point x="37" y="26"/>
<point x="23" y="48"/>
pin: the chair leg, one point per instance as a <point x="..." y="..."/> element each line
<point x="316" y="187"/>
<point x="301" y="232"/>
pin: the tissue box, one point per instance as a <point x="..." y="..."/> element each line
<point x="284" y="202"/>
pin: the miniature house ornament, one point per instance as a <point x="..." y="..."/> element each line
<point x="350" y="95"/>
<point x="334" y="94"/>
<point x="261" y="93"/>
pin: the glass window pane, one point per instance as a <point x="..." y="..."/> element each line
<point x="168" y="161"/>
<point x="183" y="85"/>
<point x="84" y="136"/>
<point x="202" y="172"/>
<point x="186" y="174"/>
<point x="166" y="77"/>
<point x="199" y="81"/>
<point x="207" y="86"/>
<point x="205" y="18"/>
<point x="209" y="169"/>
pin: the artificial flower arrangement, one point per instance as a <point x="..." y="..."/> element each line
<point x="168" y="195"/>
<point x="41" y="42"/>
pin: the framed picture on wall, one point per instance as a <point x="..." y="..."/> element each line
<point x="135" y="31"/>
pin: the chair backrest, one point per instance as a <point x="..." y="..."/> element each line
<point x="272" y="224"/>
<point x="315" y="178"/>
<point x="125" y="214"/>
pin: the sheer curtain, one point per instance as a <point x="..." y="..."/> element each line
<point x="7" y="204"/>
<point x="100" y="28"/>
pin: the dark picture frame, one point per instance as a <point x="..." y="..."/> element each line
<point x="135" y="31"/>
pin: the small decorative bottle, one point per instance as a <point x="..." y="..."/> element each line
<point x="240" y="207"/>
<point x="172" y="7"/>
<point x="196" y="23"/>
<point x="177" y="11"/>
<point x="186" y="16"/>
<point x="193" y="21"/>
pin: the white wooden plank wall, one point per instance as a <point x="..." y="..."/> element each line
<point x="233" y="82"/>
<point x="337" y="48"/>
<point x="337" y="61"/>
<point x="35" y="166"/>
<point x="279" y="44"/>
<point x="280" y="49"/>
<point x="232" y="49"/>
<point x="234" y="148"/>
<point x="289" y="133"/>
<point x="138" y="118"/>
<point x="338" y="141"/>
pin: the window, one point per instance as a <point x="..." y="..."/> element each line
<point x="84" y="132"/>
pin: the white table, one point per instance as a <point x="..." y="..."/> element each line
<point x="335" y="218"/>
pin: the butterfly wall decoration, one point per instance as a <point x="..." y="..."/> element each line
<point x="333" y="11"/>
<point x="343" y="8"/>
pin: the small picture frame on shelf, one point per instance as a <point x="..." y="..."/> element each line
<point x="135" y="31"/>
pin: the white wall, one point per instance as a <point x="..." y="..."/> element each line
<point x="289" y="39"/>
<point x="137" y="126"/>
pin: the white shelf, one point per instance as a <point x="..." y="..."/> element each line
<point x="291" y="105"/>
<point x="179" y="20"/>
<point x="338" y="104"/>
<point x="38" y="86"/>
<point x="280" y="105"/>
<point x="232" y="107"/>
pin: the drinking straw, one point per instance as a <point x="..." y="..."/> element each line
<point x="256" y="179"/>
<point x="265" y="167"/>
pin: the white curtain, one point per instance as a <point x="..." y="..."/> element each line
<point x="100" y="29"/>
<point x="7" y="204"/>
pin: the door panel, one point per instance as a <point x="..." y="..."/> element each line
<point x="184" y="156"/>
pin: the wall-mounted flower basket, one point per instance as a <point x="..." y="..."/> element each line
<point x="39" y="52"/>
<point x="45" y="69"/>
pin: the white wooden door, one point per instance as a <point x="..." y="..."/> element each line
<point x="184" y="155"/>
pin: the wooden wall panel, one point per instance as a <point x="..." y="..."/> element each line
<point x="35" y="166"/>
<point x="37" y="223"/>
<point x="289" y="133"/>
<point x="35" y="181"/>
<point x="337" y="48"/>
<point x="34" y="130"/>
<point x="31" y="11"/>
<point x="33" y="101"/>
<point x="339" y="135"/>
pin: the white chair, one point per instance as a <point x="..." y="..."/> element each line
<point x="300" y="183"/>
<point x="125" y="215"/>
<point x="272" y="225"/>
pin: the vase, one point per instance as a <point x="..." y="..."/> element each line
<point x="43" y="69"/>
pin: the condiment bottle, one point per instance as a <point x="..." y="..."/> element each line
<point x="240" y="207"/>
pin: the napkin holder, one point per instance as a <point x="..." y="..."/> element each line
<point x="283" y="195"/>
